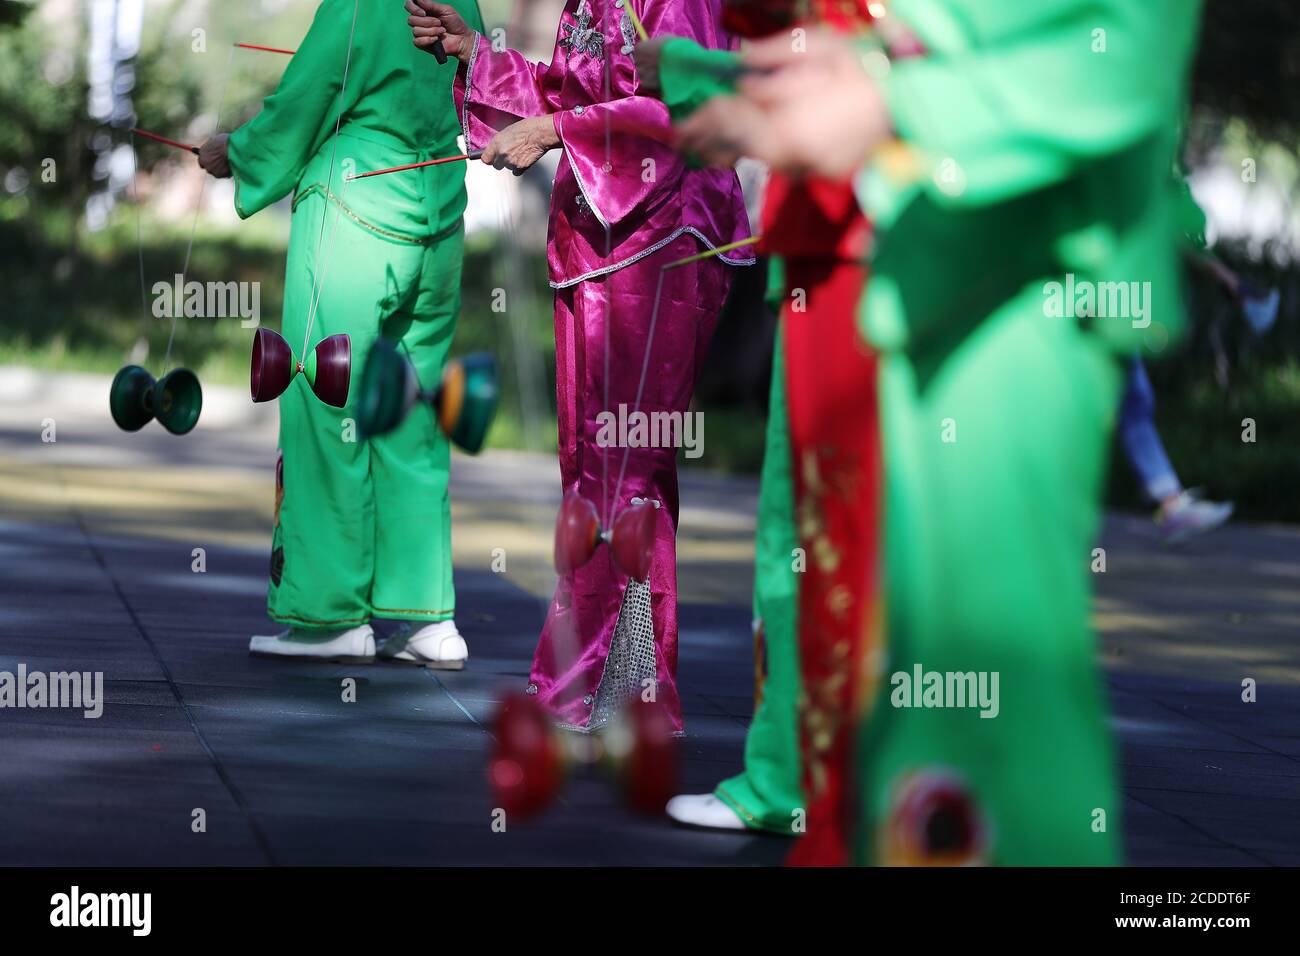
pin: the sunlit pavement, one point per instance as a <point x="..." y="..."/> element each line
<point x="97" y="535"/>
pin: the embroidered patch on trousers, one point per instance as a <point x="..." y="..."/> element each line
<point x="277" y="566"/>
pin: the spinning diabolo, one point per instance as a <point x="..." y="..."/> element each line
<point x="175" y="399"/>
<point x="934" y="821"/>
<point x="578" y="533"/>
<point x="527" y="768"/>
<point x="532" y="757"/>
<point x="327" y="367"/>
<point x="642" y="751"/>
<point x="465" y="401"/>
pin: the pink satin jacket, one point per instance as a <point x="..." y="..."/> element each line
<point x="620" y="192"/>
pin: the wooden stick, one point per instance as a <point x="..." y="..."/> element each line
<point x="472" y="154"/>
<point x="265" y="49"/>
<point x="713" y="252"/>
<point x="163" y="139"/>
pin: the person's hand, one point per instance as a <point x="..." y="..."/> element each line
<point x="214" y="156"/>
<point x="721" y="131"/>
<point x="521" y="144"/>
<point x="646" y="57"/>
<point x="431" y="21"/>
<point x="822" y="113"/>
<point x="795" y="69"/>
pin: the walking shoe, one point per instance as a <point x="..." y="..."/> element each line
<point x="705" y="811"/>
<point x="351" y="646"/>
<point x="438" y="646"/>
<point x="1188" y="516"/>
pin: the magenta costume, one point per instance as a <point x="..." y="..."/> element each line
<point x="622" y="206"/>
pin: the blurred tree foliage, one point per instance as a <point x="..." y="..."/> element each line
<point x="187" y="70"/>
<point x="81" y="292"/>
<point x="1248" y="66"/>
<point x="42" y="113"/>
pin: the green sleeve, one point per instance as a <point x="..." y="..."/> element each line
<point x="1012" y="97"/>
<point x="269" y="153"/>
<point x="690" y="75"/>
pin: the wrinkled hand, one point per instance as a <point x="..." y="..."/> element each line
<point x="521" y="144"/>
<point x="646" y="57"/>
<point x="823" y="114"/>
<point x="721" y="131"/>
<point x="431" y="21"/>
<point x="214" y="156"/>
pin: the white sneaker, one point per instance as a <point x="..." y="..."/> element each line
<point x="703" y="810"/>
<point x="1189" y="516"/>
<point x="438" y="646"/>
<point x="352" y="646"/>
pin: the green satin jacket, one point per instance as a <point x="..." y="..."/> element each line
<point x="396" y="108"/>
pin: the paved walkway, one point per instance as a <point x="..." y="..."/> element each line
<point x="97" y="532"/>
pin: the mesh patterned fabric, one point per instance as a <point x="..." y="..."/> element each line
<point x="631" y="659"/>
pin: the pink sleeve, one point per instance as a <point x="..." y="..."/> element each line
<point x="619" y="154"/>
<point x="619" y="149"/>
<point x="495" y="89"/>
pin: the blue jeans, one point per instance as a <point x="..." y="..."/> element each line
<point x="1141" y="441"/>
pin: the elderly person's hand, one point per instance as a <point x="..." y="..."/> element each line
<point x="822" y="113"/>
<point x="431" y="21"/>
<point x="646" y="57"/>
<point x="521" y="144"/>
<point x="214" y="156"/>
<point x="721" y="131"/>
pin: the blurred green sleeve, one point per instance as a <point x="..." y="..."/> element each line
<point x="1044" y="135"/>
<point x="690" y="75"/>
<point x="1019" y="96"/>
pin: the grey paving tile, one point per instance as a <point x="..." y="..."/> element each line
<point x="398" y="777"/>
